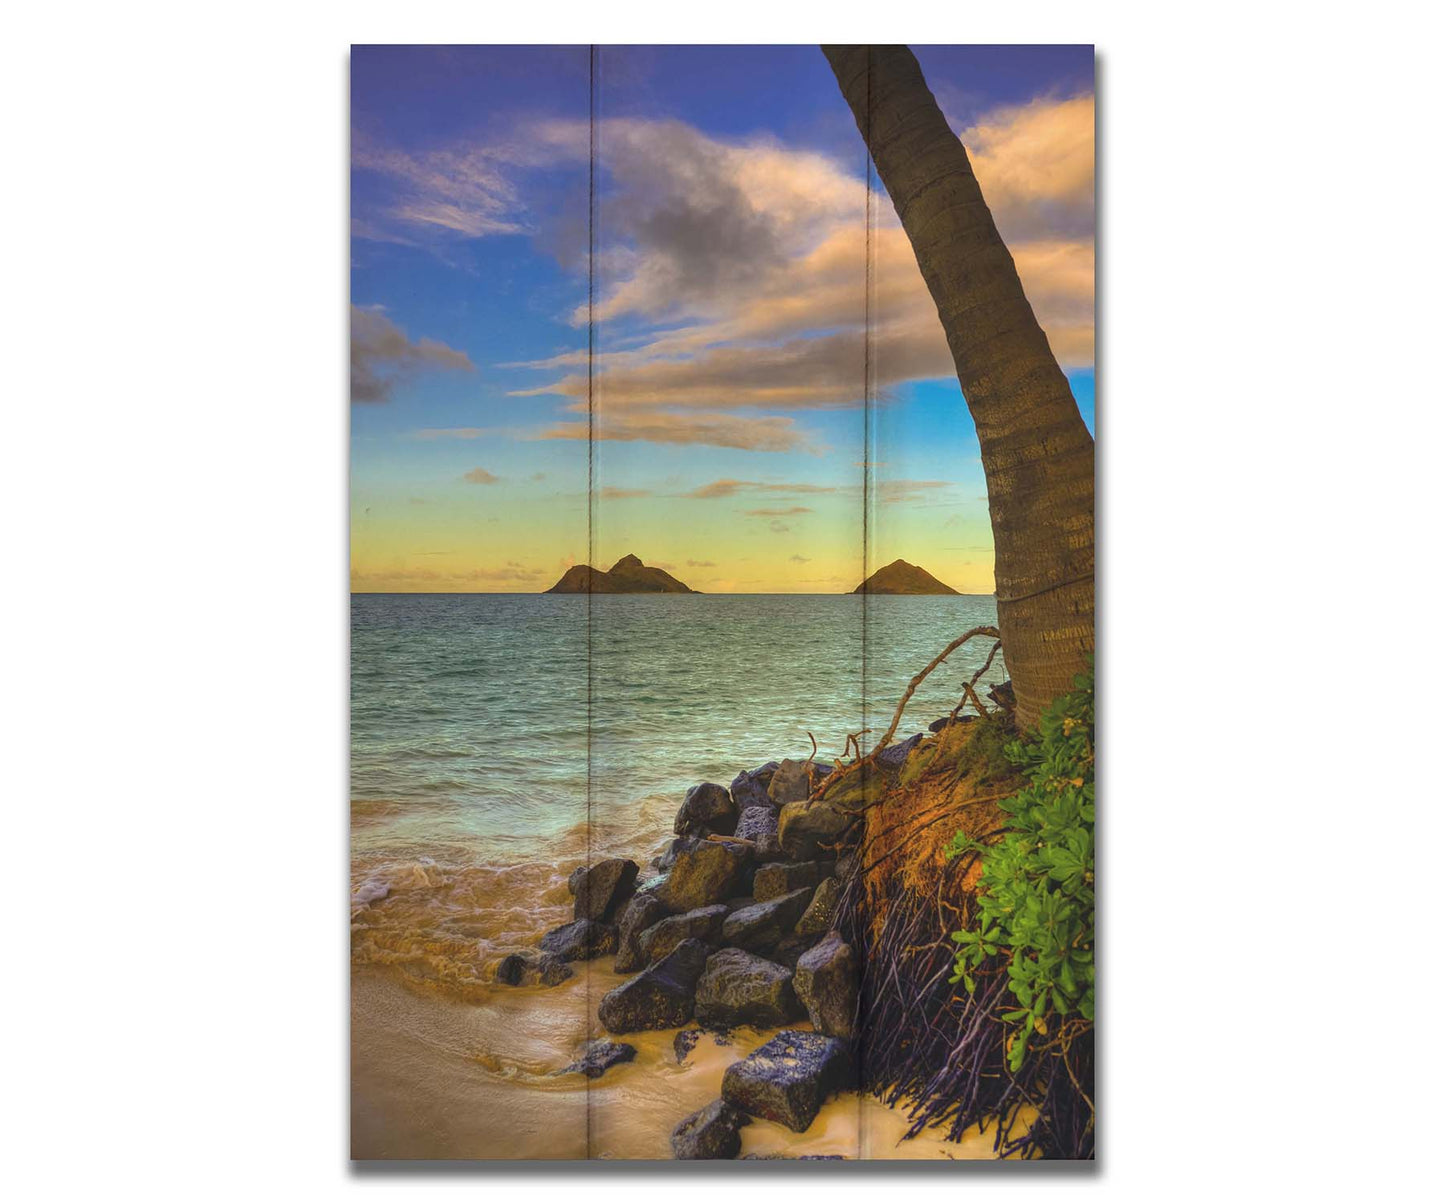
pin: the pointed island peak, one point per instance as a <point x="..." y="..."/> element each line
<point x="900" y="577"/>
<point x="628" y="576"/>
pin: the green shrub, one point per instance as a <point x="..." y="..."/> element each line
<point x="1036" y="886"/>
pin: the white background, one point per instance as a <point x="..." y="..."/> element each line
<point x="174" y="477"/>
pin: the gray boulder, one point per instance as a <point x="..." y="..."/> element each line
<point x="707" y="808"/>
<point x="641" y="913"/>
<point x="791" y="783"/>
<point x="749" y="790"/>
<point x="598" y="1056"/>
<point x="601" y="889"/>
<point x="788" y="1079"/>
<point x="846" y="867"/>
<point x="684" y="1041"/>
<point x="826" y="981"/>
<point x="580" y="941"/>
<point x="894" y="755"/>
<point x="531" y="968"/>
<point x="710" y="1132"/>
<point x="760" y="927"/>
<point x="660" y="997"/>
<point x="704" y="872"/>
<point x="740" y="988"/>
<point x="760" y="825"/>
<point x="819" y="916"/>
<point x="704" y="924"/>
<point x="783" y="876"/>
<point x="810" y="832"/>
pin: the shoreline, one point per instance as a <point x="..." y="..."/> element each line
<point x="433" y="1067"/>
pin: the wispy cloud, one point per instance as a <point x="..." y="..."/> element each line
<point x="480" y="476"/>
<point x="772" y="434"/>
<point x="611" y="493"/>
<point x="450" y="432"/>
<point x="779" y="513"/>
<point x="382" y="356"/>
<point x="731" y="488"/>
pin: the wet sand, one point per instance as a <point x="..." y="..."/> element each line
<point x="437" y="1077"/>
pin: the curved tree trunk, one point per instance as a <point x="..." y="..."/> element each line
<point x="1038" y="457"/>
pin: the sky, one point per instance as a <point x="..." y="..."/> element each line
<point x="730" y="443"/>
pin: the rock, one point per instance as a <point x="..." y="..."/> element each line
<point x="668" y="856"/>
<point x="760" y="825"/>
<point x="760" y="927"/>
<point x="784" y="876"/>
<point x="707" y="808"/>
<point x="819" y="916"/>
<point x="575" y="877"/>
<point x="580" y="941"/>
<point x="704" y="924"/>
<point x="641" y="913"/>
<point x="684" y="1041"/>
<point x="809" y="832"/>
<point x="704" y="872"/>
<point x="792" y="1158"/>
<point x="791" y="782"/>
<point x="790" y="948"/>
<point x="710" y="1132"/>
<point x="894" y="755"/>
<point x="845" y="867"/>
<point x="598" y="1055"/>
<point x="748" y="790"/>
<point x="826" y="981"/>
<point x="787" y="1079"/>
<point x="531" y="968"/>
<point x="740" y="988"/>
<point x="659" y="997"/>
<point x="601" y="889"/>
<point x="1003" y="694"/>
<point x="939" y="724"/>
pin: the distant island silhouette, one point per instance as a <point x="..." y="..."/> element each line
<point x="628" y="576"/>
<point x="900" y="577"/>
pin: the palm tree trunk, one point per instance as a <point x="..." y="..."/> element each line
<point x="1038" y="457"/>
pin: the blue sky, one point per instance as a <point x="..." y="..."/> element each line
<point x="729" y="323"/>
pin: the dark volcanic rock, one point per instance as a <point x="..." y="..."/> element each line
<point x="788" y="1079"/>
<point x="760" y="825"/>
<point x="790" y="948"/>
<point x="707" y="808"/>
<point x="704" y="924"/>
<point x="939" y="724"/>
<point x="641" y="913"/>
<point x="602" y="889"/>
<point x="808" y="832"/>
<point x="598" y="1055"/>
<point x="749" y="790"/>
<point x="581" y="940"/>
<point x="784" y="876"/>
<point x="659" y="997"/>
<point x="894" y="755"/>
<point x="532" y="968"/>
<point x="710" y="1132"/>
<point x="760" y="927"/>
<point x="791" y="782"/>
<point x="740" y="988"/>
<point x="826" y="981"/>
<point x="819" y="916"/>
<point x="704" y="872"/>
<point x="575" y="877"/>
<point x="669" y="855"/>
<point x="684" y="1041"/>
